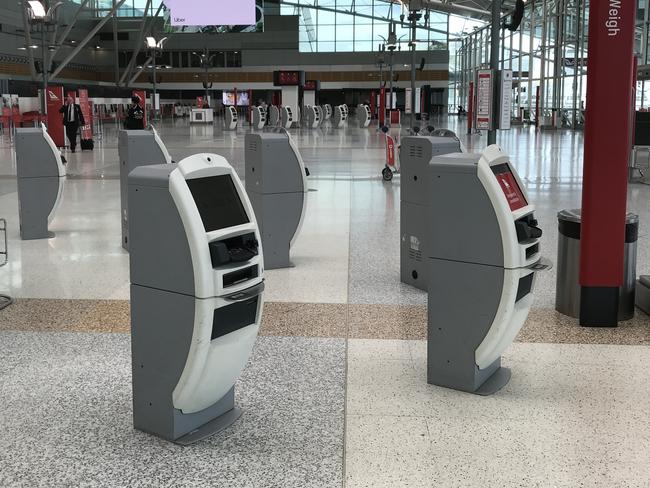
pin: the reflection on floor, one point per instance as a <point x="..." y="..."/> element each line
<point x="335" y="392"/>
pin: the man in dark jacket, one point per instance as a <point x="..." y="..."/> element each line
<point x="135" y="116"/>
<point x="72" y="119"/>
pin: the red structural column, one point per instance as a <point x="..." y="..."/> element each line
<point x="606" y="152"/>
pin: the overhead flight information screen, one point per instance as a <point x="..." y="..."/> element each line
<point x="509" y="185"/>
<point x="218" y="202"/>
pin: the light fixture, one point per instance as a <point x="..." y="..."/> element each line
<point x="38" y="10"/>
<point x="22" y="48"/>
<point x="97" y="47"/>
<point x="150" y="43"/>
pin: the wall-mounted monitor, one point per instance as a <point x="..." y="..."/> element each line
<point x="213" y="16"/>
<point x="243" y="100"/>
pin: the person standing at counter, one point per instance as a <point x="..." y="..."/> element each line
<point x="72" y="119"/>
<point x="135" y="116"/>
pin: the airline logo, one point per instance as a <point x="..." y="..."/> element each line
<point x="52" y="96"/>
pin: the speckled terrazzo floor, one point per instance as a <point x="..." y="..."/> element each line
<point x="335" y="393"/>
<point x="66" y="418"/>
<point x="378" y="321"/>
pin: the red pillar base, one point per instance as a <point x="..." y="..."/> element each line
<point x="599" y="306"/>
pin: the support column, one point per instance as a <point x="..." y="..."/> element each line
<point x="494" y="65"/>
<point x="607" y="146"/>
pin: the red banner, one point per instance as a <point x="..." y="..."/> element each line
<point x="84" y="103"/>
<point x="54" y="100"/>
<point x="382" y="107"/>
<point x="142" y="95"/>
<point x="199" y="102"/>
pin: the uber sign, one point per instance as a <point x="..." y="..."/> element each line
<point x="211" y="12"/>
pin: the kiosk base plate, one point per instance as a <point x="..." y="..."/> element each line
<point x="494" y="383"/>
<point x="222" y="422"/>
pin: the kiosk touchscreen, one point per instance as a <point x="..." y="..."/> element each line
<point x="41" y="177"/>
<point x="259" y="117"/>
<point x="276" y="183"/>
<point x="363" y="116"/>
<point x="231" y="118"/>
<point x="137" y="148"/>
<point x="415" y="156"/>
<point x="287" y="117"/>
<point x="196" y="295"/>
<point x="483" y="253"/>
<point x="274" y="115"/>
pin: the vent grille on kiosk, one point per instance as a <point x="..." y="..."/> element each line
<point x="416" y="151"/>
<point x="252" y="146"/>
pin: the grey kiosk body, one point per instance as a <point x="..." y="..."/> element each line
<point x="415" y="155"/>
<point x="276" y="184"/>
<point x="137" y="148"/>
<point x="196" y="295"/>
<point x="484" y="253"/>
<point x="41" y="176"/>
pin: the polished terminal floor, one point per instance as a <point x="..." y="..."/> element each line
<point x="335" y="393"/>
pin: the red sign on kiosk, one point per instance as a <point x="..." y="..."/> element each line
<point x="510" y="187"/>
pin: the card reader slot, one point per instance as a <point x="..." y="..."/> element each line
<point x="239" y="276"/>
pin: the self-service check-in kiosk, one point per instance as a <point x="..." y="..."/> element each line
<point x="287" y="117"/>
<point x="196" y="295"/>
<point x="276" y="183"/>
<point x="415" y="155"/>
<point x="41" y="177"/>
<point x="363" y="116"/>
<point x="340" y="116"/>
<point x="327" y="111"/>
<point x="274" y="115"/>
<point x="231" y="118"/>
<point x="137" y="148"/>
<point x="484" y="252"/>
<point x="314" y="117"/>
<point x="259" y="117"/>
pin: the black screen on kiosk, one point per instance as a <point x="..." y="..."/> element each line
<point x="218" y="202"/>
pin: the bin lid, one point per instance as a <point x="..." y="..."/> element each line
<point x="575" y="215"/>
<point x="570" y="221"/>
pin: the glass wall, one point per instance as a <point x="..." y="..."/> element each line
<point x="548" y="56"/>
<point x="357" y="25"/>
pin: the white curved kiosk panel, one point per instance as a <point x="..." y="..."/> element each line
<point x="259" y="117"/>
<point x="484" y="253"/>
<point x="286" y="117"/>
<point x="274" y="115"/>
<point x="196" y="295"/>
<point x="231" y="119"/>
<point x="363" y="116"/>
<point x="40" y="180"/>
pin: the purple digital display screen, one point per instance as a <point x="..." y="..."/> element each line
<point x="211" y="12"/>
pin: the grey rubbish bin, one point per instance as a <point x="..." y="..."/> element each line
<point x="567" y="291"/>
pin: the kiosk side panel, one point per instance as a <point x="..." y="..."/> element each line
<point x="463" y="224"/>
<point x="36" y="198"/>
<point x="463" y="302"/>
<point x="159" y="252"/>
<point x="34" y="156"/>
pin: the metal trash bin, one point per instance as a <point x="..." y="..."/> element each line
<point x="567" y="290"/>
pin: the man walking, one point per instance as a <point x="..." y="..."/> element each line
<point x="72" y="119"/>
